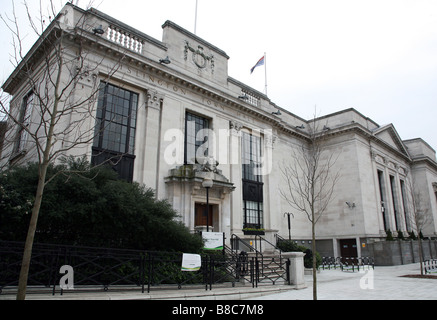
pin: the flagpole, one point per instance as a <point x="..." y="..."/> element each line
<point x="265" y="70"/>
<point x="195" y="19"/>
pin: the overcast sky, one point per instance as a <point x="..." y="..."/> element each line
<point x="379" y="57"/>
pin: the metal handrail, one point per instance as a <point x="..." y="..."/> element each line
<point x="274" y="246"/>
<point x="234" y="238"/>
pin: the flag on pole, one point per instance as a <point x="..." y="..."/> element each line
<point x="259" y="63"/>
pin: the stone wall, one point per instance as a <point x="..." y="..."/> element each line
<point x="389" y="253"/>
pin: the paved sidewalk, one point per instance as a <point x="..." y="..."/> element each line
<point x="383" y="283"/>
<point x="239" y="292"/>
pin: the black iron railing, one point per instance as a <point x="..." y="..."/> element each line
<point x="106" y="268"/>
<point x="267" y="268"/>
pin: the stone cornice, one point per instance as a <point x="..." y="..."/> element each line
<point x="366" y="133"/>
<point x="425" y="160"/>
<point x="33" y="55"/>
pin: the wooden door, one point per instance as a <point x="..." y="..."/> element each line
<point x="200" y="216"/>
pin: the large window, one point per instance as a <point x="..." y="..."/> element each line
<point x="114" y="141"/>
<point x="196" y="137"/>
<point x="382" y="195"/>
<point x="405" y="205"/>
<point x="395" y="203"/>
<point x="25" y="113"/>
<point x="252" y="181"/>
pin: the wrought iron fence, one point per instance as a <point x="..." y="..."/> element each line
<point x="106" y="268"/>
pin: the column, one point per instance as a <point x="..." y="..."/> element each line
<point x="236" y="176"/>
<point x="152" y="139"/>
<point x="272" y="202"/>
<point x="400" y="203"/>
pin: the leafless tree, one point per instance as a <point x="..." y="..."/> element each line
<point x="310" y="181"/>
<point x="57" y="117"/>
<point x="417" y="213"/>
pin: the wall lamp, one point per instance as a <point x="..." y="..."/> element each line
<point x="350" y="205"/>
<point x="99" y="30"/>
<point x="165" y="61"/>
<point x="277" y="113"/>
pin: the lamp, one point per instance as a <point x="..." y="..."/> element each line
<point x="207" y="183"/>
<point x="99" y="30"/>
<point x="165" y="61"/>
<point x="278" y="113"/>
<point x="350" y="205"/>
<point x="289" y="223"/>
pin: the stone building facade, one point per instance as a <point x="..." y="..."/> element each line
<point x="172" y="116"/>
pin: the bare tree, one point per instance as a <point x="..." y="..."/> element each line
<point x="56" y="118"/>
<point x="417" y="213"/>
<point x="310" y="180"/>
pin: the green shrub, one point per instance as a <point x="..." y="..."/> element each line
<point x="90" y="208"/>
<point x="389" y="236"/>
<point x="291" y="246"/>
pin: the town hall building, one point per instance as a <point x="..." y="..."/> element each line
<point x="166" y="114"/>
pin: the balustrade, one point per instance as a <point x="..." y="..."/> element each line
<point x="124" y="39"/>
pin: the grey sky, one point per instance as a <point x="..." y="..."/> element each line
<point x="379" y="57"/>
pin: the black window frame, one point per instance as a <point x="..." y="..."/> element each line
<point x="27" y="105"/>
<point x="115" y="131"/>
<point x="200" y="123"/>
<point x="253" y="197"/>
<point x="381" y="184"/>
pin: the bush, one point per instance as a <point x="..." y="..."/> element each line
<point x="92" y="208"/>
<point x="412" y="235"/>
<point x="288" y="246"/>
<point x="291" y="246"/>
<point x="389" y="236"/>
<point x="401" y="235"/>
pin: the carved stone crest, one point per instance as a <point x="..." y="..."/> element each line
<point x="199" y="58"/>
<point x="235" y="125"/>
<point x="208" y="164"/>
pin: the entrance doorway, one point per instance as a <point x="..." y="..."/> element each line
<point x="203" y="217"/>
<point x="348" y="249"/>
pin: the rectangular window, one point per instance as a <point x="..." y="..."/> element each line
<point x="395" y="203"/>
<point x="25" y="114"/>
<point x="251" y="157"/>
<point x="382" y="194"/>
<point x="253" y="217"/>
<point x="405" y="205"/>
<point x="114" y="141"/>
<point x="196" y="137"/>
<point x="252" y="181"/>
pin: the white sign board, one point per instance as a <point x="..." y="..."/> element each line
<point x="213" y="240"/>
<point x="191" y="262"/>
